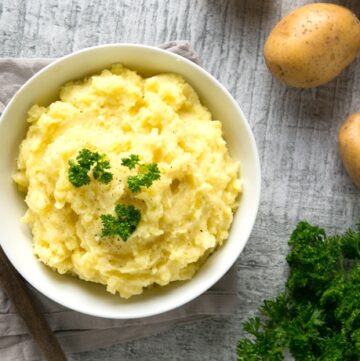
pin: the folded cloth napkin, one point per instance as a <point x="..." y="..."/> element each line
<point x="76" y="331"/>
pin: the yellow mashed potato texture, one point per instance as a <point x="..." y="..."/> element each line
<point x="185" y="215"/>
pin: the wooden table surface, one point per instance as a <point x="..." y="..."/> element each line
<point x="295" y="131"/>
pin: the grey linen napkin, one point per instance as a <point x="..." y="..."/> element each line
<point x="76" y="331"/>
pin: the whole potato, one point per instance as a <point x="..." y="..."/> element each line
<point x="312" y="45"/>
<point x="349" y="146"/>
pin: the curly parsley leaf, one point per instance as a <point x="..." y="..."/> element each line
<point x="131" y="161"/>
<point x="78" y="173"/>
<point x="318" y="315"/>
<point x="147" y="173"/>
<point x="100" y="171"/>
<point x="123" y="224"/>
<point x="146" y="179"/>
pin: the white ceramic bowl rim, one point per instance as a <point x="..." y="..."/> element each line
<point x="202" y="286"/>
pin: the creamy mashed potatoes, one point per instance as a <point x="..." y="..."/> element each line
<point x="185" y="215"/>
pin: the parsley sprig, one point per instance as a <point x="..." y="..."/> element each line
<point x="147" y="173"/>
<point x="318" y="315"/>
<point x="86" y="160"/>
<point x="123" y="224"/>
<point x="131" y="161"/>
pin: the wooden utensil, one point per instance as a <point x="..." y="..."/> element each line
<point x="17" y="291"/>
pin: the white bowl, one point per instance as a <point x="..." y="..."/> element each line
<point x="91" y="298"/>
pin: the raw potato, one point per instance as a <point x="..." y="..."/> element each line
<point x="312" y="45"/>
<point x="349" y="146"/>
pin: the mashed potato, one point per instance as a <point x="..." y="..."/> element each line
<point x="185" y="215"/>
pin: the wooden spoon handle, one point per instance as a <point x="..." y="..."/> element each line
<point x="17" y="291"/>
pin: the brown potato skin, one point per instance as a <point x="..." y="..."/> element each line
<point x="349" y="146"/>
<point x="312" y="45"/>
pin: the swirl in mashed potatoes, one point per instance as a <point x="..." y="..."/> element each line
<point x="185" y="215"/>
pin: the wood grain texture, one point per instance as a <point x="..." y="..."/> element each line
<point x="295" y="131"/>
<point x="18" y="292"/>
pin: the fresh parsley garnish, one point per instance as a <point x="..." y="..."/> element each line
<point x="147" y="173"/>
<point x="318" y="315"/>
<point x="78" y="173"/>
<point x="131" y="161"/>
<point x="100" y="171"/>
<point x="123" y="224"/>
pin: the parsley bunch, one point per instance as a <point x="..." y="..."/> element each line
<point x="85" y="160"/>
<point x="123" y="224"/>
<point x="148" y="173"/>
<point x="318" y="315"/>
